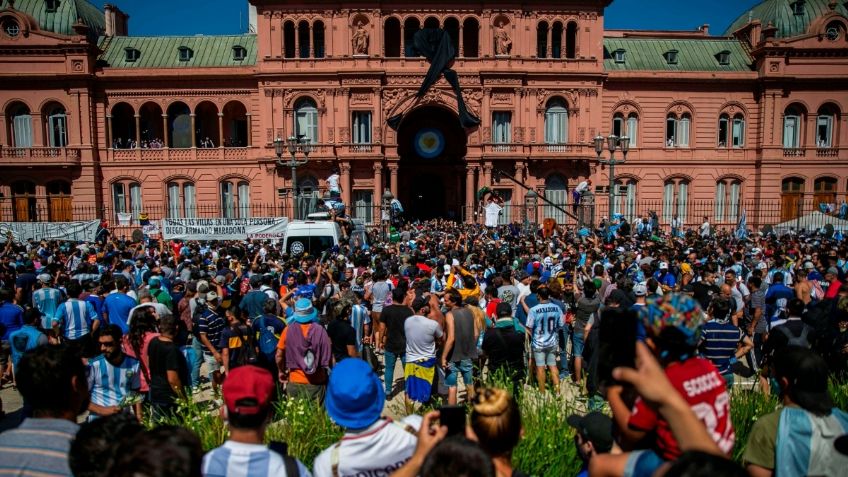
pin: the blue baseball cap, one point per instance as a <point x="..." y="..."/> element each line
<point x="355" y="395"/>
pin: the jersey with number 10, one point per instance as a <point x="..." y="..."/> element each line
<point x="698" y="381"/>
<point x="544" y="322"/>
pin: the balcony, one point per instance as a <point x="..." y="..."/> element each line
<point x="173" y="154"/>
<point x="358" y="149"/>
<point x="562" y="151"/>
<point x="794" y="152"/>
<point x="39" y="156"/>
<point x="827" y="152"/>
<point x="503" y="149"/>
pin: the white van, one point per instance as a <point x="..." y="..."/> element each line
<point x="311" y="236"/>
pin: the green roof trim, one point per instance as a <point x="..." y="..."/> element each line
<point x="780" y="14"/>
<point x="164" y="51"/>
<point x="649" y="54"/>
<point x="62" y="20"/>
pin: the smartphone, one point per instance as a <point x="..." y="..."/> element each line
<point x="618" y="336"/>
<point x="454" y="418"/>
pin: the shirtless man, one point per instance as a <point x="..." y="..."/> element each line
<point x="803" y="287"/>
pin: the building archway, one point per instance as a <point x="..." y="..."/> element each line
<point x="431" y="175"/>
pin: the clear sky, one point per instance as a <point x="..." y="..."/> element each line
<point x="215" y="17"/>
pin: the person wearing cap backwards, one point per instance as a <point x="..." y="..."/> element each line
<point x="248" y="391"/>
<point x="370" y="445"/>
<point x="593" y="436"/>
<point x="673" y="327"/>
<point x="46" y="299"/>
<point x="799" y="438"/>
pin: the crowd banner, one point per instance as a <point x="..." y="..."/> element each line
<point x="76" y="231"/>
<point x="260" y="228"/>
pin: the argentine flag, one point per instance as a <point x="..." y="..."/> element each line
<point x="742" y="226"/>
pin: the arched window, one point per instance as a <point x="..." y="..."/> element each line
<point x="431" y="22"/>
<point x="228" y="200"/>
<point x="235" y="199"/>
<point x="21" y="121"/>
<point x="318" y="39"/>
<point x="289" y="34"/>
<point x="126" y="199"/>
<point x="59" y="201"/>
<point x="410" y="27"/>
<point x="123" y="126"/>
<point x="556" y="122"/>
<point x="791" y="195"/>
<point x="303" y="39"/>
<point x="556" y="191"/>
<point x="625" y="198"/>
<point x="180" y="134"/>
<point x="236" y="133"/>
<point x="306" y="120"/>
<point x="677" y="130"/>
<point x="727" y="199"/>
<point x="57" y="125"/>
<point x="23" y="195"/>
<point x="826" y="122"/>
<point x="571" y="40"/>
<point x="206" y="125"/>
<point x="793" y="118"/>
<point x="181" y="199"/>
<point x="731" y="131"/>
<point x="618" y="124"/>
<point x="150" y="121"/>
<point x="556" y="40"/>
<point x="452" y="28"/>
<point x="471" y="38"/>
<point x="542" y="40"/>
<point x="632" y="128"/>
<point x="675" y="198"/>
<point x="825" y="191"/>
<point x="391" y="37"/>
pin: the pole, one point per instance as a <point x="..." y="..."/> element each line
<point x="611" y="185"/>
<point x="293" y="165"/>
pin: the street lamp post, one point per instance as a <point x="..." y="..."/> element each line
<point x="294" y="144"/>
<point x="388" y="212"/>
<point x="613" y="142"/>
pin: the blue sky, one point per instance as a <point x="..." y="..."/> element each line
<point x="215" y="17"/>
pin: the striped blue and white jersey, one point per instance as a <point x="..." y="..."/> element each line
<point x="46" y="300"/>
<point x="237" y="459"/>
<point x="110" y="384"/>
<point x="75" y="317"/>
<point x="359" y="317"/>
<point x="545" y="321"/>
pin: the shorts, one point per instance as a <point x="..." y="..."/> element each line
<point x="454" y="369"/>
<point x="577" y="344"/>
<point x="211" y="364"/>
<point x="642" y="463"/>
<point x="545" y="356"/>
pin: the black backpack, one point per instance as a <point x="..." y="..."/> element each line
<point x="801" y="340"/>
<point x="282" y="449"/>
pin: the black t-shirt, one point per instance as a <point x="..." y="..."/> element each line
<point x="341" y="335"/>
<point x="704" y="292"/>
<point x="394" y="316"/>
<point x="505" y="349"/>
<point x="165" y="356"/>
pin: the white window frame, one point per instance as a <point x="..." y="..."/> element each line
<point x="174" y="202"/>
<point x="57" y="128"/>
<point x="22" y="127"/>
<point x="632" y="128"/>
<point x="501" y="127"/>
<point x="243" y="190"/>
<point x="306" y="120"/>
<point x="618" y="124"/>
<point x="791" y="131"/>
<point x="363" y="208"/>
<point x="737" y="131"/>
<point x="675" y="197"/>
<point x="228" y="200"/>
<point x="825" y="120"/>
<point x="190" y="199"/>
<point x="361" y="127"/>
<point x="556" y="123"/>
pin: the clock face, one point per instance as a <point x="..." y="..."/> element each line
<point x="429" y="143"/>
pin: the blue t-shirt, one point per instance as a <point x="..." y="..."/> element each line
<point x="118" y="306"/>
<point x="544" y="322"/>
<point x="11" y="317"/>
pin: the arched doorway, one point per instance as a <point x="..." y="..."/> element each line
<point x="431" y="177"/>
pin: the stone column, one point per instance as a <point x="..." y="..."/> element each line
<point x="38" y="138"/>
<point x="311" y="42"/>
<point x="461" y="52"/>
<point x="518" y="191"/>
<point x="344" y="179"/>
<point x="109" y="131"/>
<point x="378" y="184"/>
<point x="249" y="130"/>
<point x="469" y="193"/>
<point x="393" y="179"/>
<point x="486" y="179"/>
<point x="193" y="130"/>
<point x="165" y="130"/>
<point x="550" y="46"/>
<point x="137" y="131"/>
<point x="402" y="41"/>
<point x="220" y="129"/>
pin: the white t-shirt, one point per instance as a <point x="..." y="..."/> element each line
<point x="333" y="183"/>
<point x="380" y="449"/>
<point x="493" y="210"/>
<point x="237" y="459"/>
<point x="705" y="229"/>
<point x="421" y="334"/>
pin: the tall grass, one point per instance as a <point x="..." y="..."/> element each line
<point x="746" y="407"/>
<point x="304" y="425"/>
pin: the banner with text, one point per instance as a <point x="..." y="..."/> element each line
<point x="224" y="229"/>
<point x="23" y="231"/>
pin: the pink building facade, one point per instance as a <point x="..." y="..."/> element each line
<point x="95" y="122"/>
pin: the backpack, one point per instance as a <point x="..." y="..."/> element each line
<point x="267" y="339"/>
<point x="792" y="340"/>
<point x="248" y="349"/>
<point x="282" y="449"/>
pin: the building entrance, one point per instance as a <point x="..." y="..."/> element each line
<point x="431" y="176"/>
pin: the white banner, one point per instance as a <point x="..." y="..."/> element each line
<point x="76" y="231"/>
<point x="260" y="228"/>
<point x="151" y="230"/>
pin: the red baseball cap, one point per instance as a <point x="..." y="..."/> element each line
<point x="248" y="390"/>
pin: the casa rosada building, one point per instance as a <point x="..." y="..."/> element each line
<point x="95" y="119"/>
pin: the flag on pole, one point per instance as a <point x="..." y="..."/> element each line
<point x="742" y="226"/>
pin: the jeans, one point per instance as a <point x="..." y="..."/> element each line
<point x="195" y="365"/>
<point x="191" y="359"/>
<point x="389" y="373"/>
<point x="563" y="351"/>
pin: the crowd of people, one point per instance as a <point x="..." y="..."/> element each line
<point x="651" y="331"/>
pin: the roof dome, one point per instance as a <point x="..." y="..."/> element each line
<point x="790" y="17"/>
<point x="66" y="14"/>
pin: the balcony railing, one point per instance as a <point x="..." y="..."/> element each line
<point x="39" y="156"/>
<point x="827" y="152"/>
<point x="177" y="154"/>
<point x="794" y="152"/>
